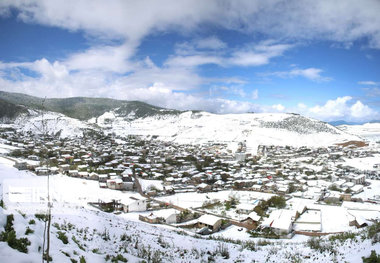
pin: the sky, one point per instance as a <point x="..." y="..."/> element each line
<point x="317" y="58"/>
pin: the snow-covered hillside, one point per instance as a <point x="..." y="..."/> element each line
<point x="367" y="131"/>
<point x="52" y="123"/>
<point x="202" y="127"/>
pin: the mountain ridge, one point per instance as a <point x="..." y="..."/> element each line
<point x="83" y="108"/>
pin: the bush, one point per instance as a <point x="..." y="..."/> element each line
<point x="373" y="232"/>
<point x="373" y="258"/>
<point x="223" y="251"/>
<point x="20" y="244"/>
<point x="77" y="242"/>
<point x="29" y="231"/>
<point x="32" y="222"/>
<point x="9" y="236"/>
<point x="42" y="217"/>
<point x="342" y="237"/>
<point x="62" y="236"/>
<point x="118" y="258"/>
<point x="319" y="245"/>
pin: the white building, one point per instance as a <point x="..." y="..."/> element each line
<point x="134" y="205"/>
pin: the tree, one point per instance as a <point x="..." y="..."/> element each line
<point x="277" y="201"/>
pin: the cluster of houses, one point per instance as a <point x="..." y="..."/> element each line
<point x="118" y="163"/>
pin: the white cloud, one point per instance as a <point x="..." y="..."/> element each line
<point x="314" y="74"/>
<point x="340" y="21"/>
<point x="341" y="109"/>
<point x="212" y="42"/>
<point x="254" y="54"/>
<point x="193" y="61"/>
<point x="257" y="55"/>
<point x="309" y="73"/>
<point x="255" y="94"/>
<point x="105" y="58"/>
<point x="369" y="83"/>
<point x="278" y="107"/>
<point x="359" y="111"/>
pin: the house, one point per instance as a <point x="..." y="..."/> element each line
<point x="244" y="208"/>
<point x="309" y="221"/>
<point x="20" y="165"/>
<point x="203" y="187"/>
<point x="357" y="189"/>
<point x="280" y="221"/>
<point x="168" y="216"/>
<point x="356" y="179"/>
<point x="134" y="205"/>
<point x="115" y="184"/>
<point x="251" y="220"/>
<point x="213" y="223"/>
<point x="42" y="170"/>
<point x="73" y="173"/>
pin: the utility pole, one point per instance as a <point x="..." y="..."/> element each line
<point x="46" y="237"/>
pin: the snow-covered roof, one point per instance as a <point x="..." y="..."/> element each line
<point x="280" y="219"/>
<point x="254" y="216"/>
<point x="209" y="220"/>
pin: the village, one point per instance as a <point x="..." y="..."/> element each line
<point x="279" y="192"/>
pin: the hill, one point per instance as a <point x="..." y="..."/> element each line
<point x="83" y="108"/>
<point x="10" y="110"/>
<point x="203" y="127"/>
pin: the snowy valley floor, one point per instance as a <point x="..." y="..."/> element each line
<point x="79" y="231"/>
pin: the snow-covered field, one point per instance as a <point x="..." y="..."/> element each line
<point x="194" y="200"/>
<point x="363" y="163"/>
<point x="367" y="131"/>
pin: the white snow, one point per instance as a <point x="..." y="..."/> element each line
<point x="202" y="127"/>
<point x="51" y="123"/>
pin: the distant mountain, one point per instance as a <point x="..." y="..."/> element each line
<point x="10" y="110"/>
<point x="123" y="118"/>
<point x="342" y="122"/>
<point x="83" y="108"/>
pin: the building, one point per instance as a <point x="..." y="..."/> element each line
<point x="356" y="178"/>
<point x="134" y="205"/>
<point x="20" y="165"/>
<point x="211" y="222"/>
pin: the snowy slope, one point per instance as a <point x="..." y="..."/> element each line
<point x="202" y="127"/>
<point x="367" y="131"/>
<point x="52" y="123"/>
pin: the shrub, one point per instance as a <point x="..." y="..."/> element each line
<point x="319" y="245"/>
<point x="118" y="258"/>
<point x="29" y="231"/>
<point x="373" y="258"/>
<point x="9" y="236"/>
<point x="223" y="251"/>
<point x="77" y="242"/>
<point x="342" y="237"/>
<point x="42" y="217"/>
<point x="62" y="236"/>
<point x="20" y="244"/>
<point x="32" y="222"/>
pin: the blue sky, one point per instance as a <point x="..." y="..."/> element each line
<point x="317" y="58"/>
